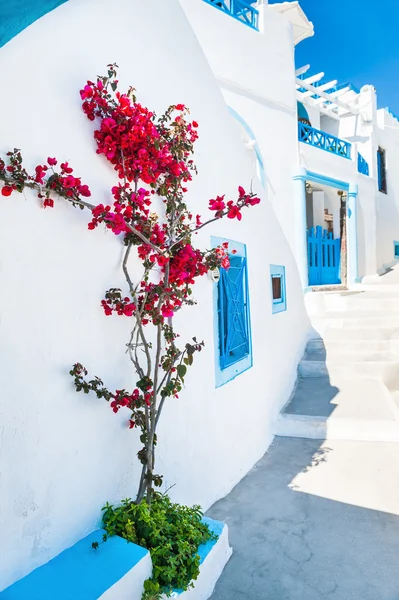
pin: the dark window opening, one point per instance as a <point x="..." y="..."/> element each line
<point x="276" y="287"/>
<point x="382" y="175"/>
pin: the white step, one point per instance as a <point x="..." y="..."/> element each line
<point x="358" y="333"/>
<point x="322" y="428"/>
<point x="321" y="303"/>
<point x="386" y="371"/>
<point x="360" y="354"/>
<point x="324" y="323"/>
<point x="353" y="346"/>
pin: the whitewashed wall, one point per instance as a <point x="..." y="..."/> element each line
<point x="255" y="70"/>
<point x="380" y="218"/>
<point x="387" y="137"/>
<point x="62" y="454"/>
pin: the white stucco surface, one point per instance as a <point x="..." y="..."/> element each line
<point x="132" y="584"/>
<point x="62" y="454"/>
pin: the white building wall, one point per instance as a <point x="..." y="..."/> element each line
<point x="62" y="454"/>
<point x="256" y="73"/>
<point x="387" y="137"/>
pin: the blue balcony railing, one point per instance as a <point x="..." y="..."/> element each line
<point x="362" y="165"/>
<point x="239" y="9"/>
<point x="325" y="141"/>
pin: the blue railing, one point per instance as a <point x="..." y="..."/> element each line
<point x="239" y="9"/>
<point x="325" y="141"/>
<point x="362" y="165"/>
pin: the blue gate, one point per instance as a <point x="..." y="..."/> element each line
<point x="323" y="257"/>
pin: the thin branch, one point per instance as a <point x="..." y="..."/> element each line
<point x="125" y="269"/>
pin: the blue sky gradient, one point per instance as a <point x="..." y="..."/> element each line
<point x="356" y="41"/>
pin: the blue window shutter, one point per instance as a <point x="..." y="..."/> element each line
<point x="379" y="169"/>
<point x="234" y="343"/>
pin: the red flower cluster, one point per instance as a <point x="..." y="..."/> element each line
<point x="115" y="303"/>
<point x="122" y="399"/>
<point x="186" y="264"/>
<point x="64" y="183"/>
<point x="230" y="208"/>
<point x="130" y="138"/>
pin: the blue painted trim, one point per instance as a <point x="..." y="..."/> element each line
<point x="252" y="136"/>
<point x="325" y="180"/>
<point x="223" y="376"/>
<point x="362" y="165"/>
<point x="17" y="15"/>
<point x="281" y="304"/>
<point x="396" y="249"/>
<point x="79" y="572"/>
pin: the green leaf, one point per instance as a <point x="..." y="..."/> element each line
<point x="182" y="370"/>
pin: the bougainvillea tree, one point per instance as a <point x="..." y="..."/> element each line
<point x="152" y="157"/>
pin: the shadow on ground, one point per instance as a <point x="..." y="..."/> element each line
<point x="312" y="521"/>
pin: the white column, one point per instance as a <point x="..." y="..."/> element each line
<point x="301" y="245"/>
<point x="263" y="12"/>
<point x="353" y="267"/>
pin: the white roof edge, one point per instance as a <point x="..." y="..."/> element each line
<point x="303" y="28"/>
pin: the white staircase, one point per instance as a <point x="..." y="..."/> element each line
<point x="348" y="379"/>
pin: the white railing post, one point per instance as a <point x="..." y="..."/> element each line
<point x="263" y="14"/>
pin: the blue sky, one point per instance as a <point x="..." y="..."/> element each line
<point x="357" y="41"/>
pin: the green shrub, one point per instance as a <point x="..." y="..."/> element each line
<point x="171" y="532"/>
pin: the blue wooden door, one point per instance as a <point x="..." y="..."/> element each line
<point x="323" y="257"/>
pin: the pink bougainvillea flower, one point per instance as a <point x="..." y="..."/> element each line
<point x="87" y="92"/>
<point x="217" y="204"/>
<point x="84" y="191"/>
<point x="66" y="168"/>
<point x="241" y="191"/>
<point x="52" y="161"/>
<point x="48" y="202"/>
<point x="234" y="213"/>
<point x="180" y="107"/>
<point x="167" y="311"/>
<point x="252" y="201"/>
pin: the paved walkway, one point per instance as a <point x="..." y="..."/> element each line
<point x="314" y="520"/>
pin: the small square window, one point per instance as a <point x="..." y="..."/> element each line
<point x="396" y="249"/>
<point x="279" y="299"/>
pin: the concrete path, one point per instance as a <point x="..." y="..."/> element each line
<point x="313" y="521"/>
